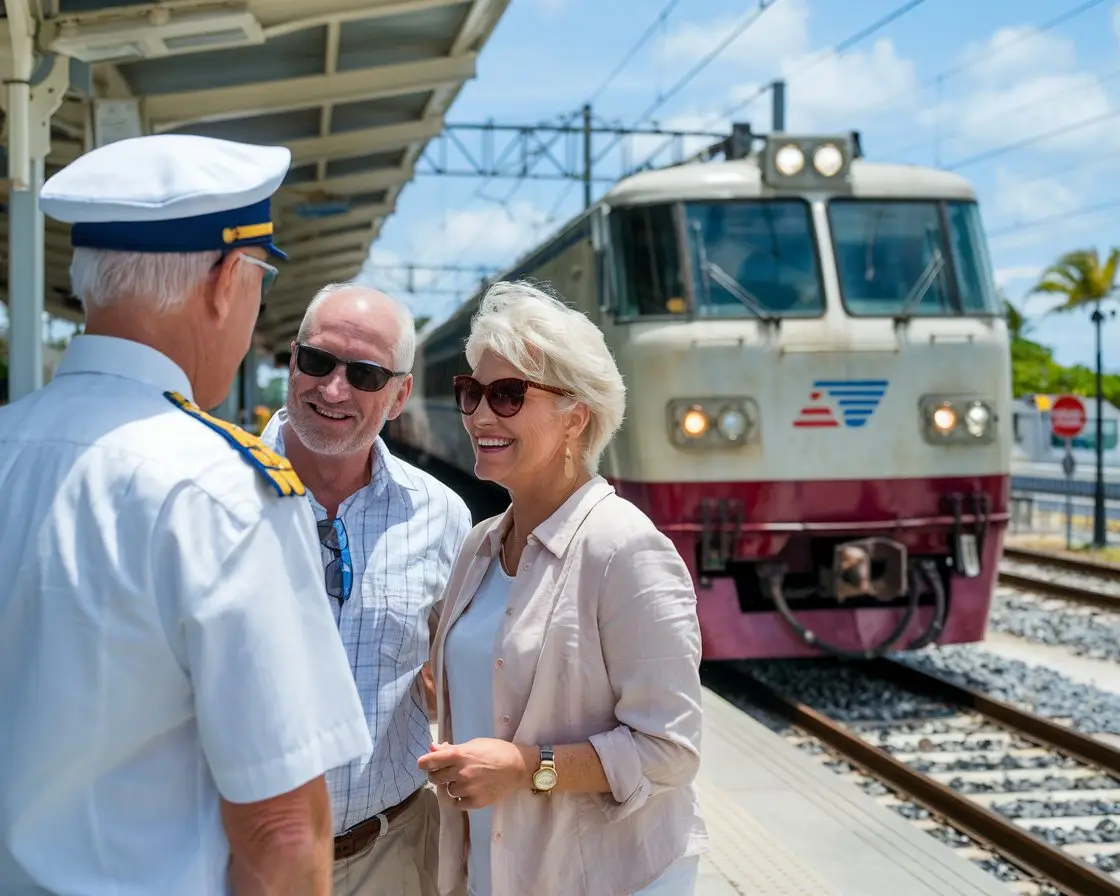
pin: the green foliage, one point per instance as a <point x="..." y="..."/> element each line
<point x="1083" y="281"/>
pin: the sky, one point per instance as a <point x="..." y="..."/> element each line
<point x="971" y="86"/>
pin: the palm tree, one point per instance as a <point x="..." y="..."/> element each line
<point x="1017" y="324"/>
<point x="1083" y="281"/>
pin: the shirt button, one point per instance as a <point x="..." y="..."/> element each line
<point x="505" y="720"/>
<point x="498" y="663"/>
<point x="524" y="567"/>
<point x="497" y="836"/>
<point x="509" y="611"/>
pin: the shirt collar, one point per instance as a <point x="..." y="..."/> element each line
<point x="113" y="356"/>
<point x="556" y="532"/>
<point x="384" y="467"/>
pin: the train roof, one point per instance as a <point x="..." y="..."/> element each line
<point x="742" y="178"/>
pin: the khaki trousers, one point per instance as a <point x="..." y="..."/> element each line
<point x="404" y="862"/>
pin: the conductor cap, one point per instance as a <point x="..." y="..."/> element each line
<point x="169" y="193"/>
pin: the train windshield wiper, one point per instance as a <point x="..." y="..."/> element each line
<point x="921" y="285"/>
<point x="709" y="269"/>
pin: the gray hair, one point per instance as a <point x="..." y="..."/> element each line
<point x="405" y="352"/>
<point x="163" y="280"/>
<point x="557" y="345"/>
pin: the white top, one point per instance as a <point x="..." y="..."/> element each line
<point x="162" y="177"/>
<point x="405" y="529"/>
<point x="165" y="636"/>
<point x="470" y="661"/>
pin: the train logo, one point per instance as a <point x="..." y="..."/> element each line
<point x="854" y="401"/>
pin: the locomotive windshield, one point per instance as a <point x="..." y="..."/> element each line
<point x="902" y="258"/>
<point x="747" y="259"/>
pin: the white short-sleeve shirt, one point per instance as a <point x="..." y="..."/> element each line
<point x="165" y="635"/>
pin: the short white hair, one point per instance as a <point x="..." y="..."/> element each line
<point x="405" y="351"/>
<point x="162" y="280"/>
<point x="556" y="345"/>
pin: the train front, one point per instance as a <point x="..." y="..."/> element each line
<point x="819" y="396"/>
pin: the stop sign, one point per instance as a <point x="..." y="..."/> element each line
<point x="1067" y="417"/>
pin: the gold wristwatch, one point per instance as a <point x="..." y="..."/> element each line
<point x="544" y="778"/>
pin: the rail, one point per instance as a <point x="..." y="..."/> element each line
<point x="1070" y="875"/>
<point x="1046" y="560"/>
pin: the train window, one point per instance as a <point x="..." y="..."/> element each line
<point x="754" y="258"/>
<point x="891" y="257"/>
<point x="648" y="277"/>
<point x="970" y="260"/>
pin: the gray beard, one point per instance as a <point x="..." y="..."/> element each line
<point x="315" y="440"/>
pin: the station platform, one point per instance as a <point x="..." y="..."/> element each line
<point x="781" y="824"/>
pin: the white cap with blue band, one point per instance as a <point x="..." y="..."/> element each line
<point x="170" y="193"/>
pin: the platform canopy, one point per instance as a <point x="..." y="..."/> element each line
<point x="355" y="88"/>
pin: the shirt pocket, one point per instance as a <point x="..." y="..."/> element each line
<point x="403" y="638"/>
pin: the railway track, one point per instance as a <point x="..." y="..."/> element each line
<point x="1057" y="575"/>
<point x="985" y="770"/>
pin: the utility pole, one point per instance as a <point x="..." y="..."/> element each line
<point x="1100" y="524"/>
<point x="587" y="158"/>
<point x="778" y="105"/>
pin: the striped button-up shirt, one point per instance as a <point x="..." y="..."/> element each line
<point x="405" y="529"/>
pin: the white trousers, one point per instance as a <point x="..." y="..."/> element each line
<point x="679" y="879"/>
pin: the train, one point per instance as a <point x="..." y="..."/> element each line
<point x="819" y="389"/>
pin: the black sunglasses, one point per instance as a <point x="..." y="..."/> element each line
<point x="365" y="376"/>
<point x="506" y="396"/>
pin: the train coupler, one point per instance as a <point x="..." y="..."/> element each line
<point x="721" y="520"/>
<point x="872" y="567"/>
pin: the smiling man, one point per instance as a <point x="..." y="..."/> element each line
<point x="390" y="534"/>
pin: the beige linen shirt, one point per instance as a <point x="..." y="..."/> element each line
<point x="600" y="643"/>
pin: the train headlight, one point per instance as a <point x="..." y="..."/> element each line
<point x="944" y="419"/>
<point x="694" y="423"/>
<point x="828" y="160"/>
<point x="808" y="161"/>
<point x="789" y="160"/>
<point x="977" y="418"/>
<point x="733" y="424"/>
<point x="712" y="423"/>
<point x="950" y="419"/>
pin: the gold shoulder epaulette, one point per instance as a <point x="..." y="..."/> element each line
<point x="272" y="466"/>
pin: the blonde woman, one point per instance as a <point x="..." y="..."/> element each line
<point x="567" y="656"/>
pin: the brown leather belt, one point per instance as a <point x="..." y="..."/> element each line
<point x="353" y="840"/>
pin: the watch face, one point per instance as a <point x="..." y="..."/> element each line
<point x="544" y="779"/>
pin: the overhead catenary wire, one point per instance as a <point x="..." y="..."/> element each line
<point x="658" y="21"/>
<point x="973" y="61"/>
<point x="1067" y="215"/>
<point x="1015" y="145"/>
<point x="1007" y="113"/>
<point x="734" y="34"/>
<point x="845" y="44"/>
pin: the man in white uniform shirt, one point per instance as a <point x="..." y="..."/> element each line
<point x="172" y="689"/>
<point x="390" y="533"/>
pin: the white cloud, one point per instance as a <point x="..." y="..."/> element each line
<point x="1005" y="277"/>
<point x="823" y="87"/>
<point x="1023" y="200"/>
<point x="489" y="236"/>
<point x="1014" y="51"/>
<point x="838" y="86"/>
<point x="779" y="32"/>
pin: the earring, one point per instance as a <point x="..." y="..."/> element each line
<point x="569" y="464"/>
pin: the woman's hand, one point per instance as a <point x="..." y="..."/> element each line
<point x="480" y="772"/>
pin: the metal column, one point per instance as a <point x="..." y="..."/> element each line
<point x="25" y="285"/>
